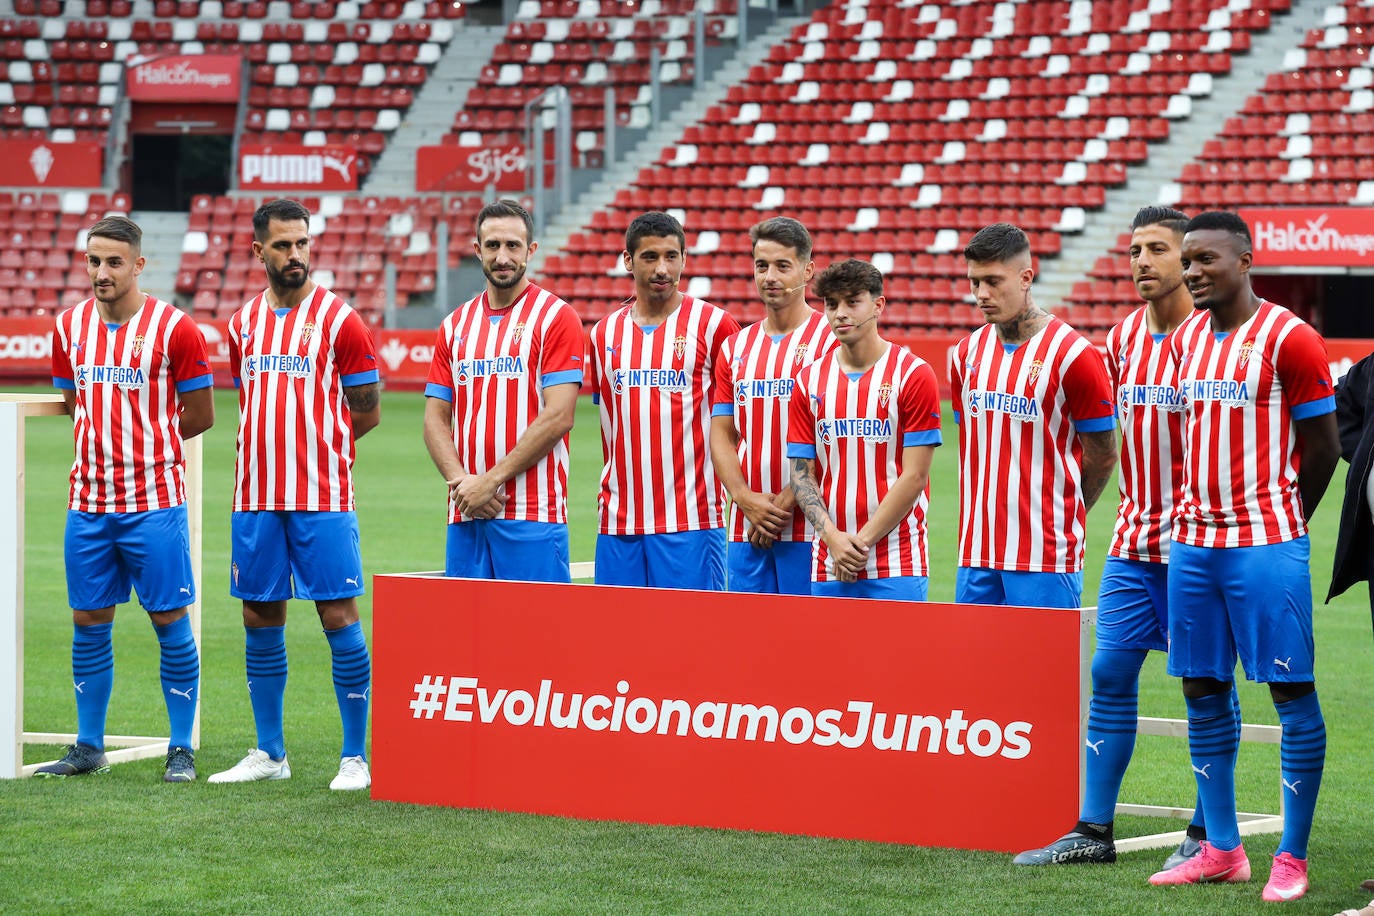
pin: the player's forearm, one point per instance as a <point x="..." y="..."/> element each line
<point x="1099" y="458"/>
<point x="438" y="434"/>
<point x="894" y="507"/>
<point x="1320" y="451"/>
<point x="808" y="494"/>
<point x="725" y="458"/>
<point x="538" y="440"/>
<point x="364" y="408"/>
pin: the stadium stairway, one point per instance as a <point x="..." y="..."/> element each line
<point x="622" y="173"/>
<point x="163" y="233"/>
<point x="431" y="114"/>
<point x="1150" y="181"/>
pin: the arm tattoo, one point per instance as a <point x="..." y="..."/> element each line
<point x="808" y="494"/>
<point x="363" y="398"/>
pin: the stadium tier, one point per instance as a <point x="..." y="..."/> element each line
<point x="892" y="129"/>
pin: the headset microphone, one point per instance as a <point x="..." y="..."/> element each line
<point x="793" y="289"/>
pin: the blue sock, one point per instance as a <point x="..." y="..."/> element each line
<point x="265" y="658"/>
<point x="352" y="678"/>
<point x="1199" y="821"/>
<point x="93" y="678"/>
<point x="1213" y="741"/>
<point x="180" y="672"/>
<point x="1111" y="730"/>
<point x="1302" y="755"/>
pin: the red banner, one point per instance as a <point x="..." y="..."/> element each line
<point x="1312" y="236"/>
<point x="464" y="168"/>
<point x="289" y="167"/>
<point x="192" y="78"/>
<point x="54" y="165"/>
<point x="876" y="720"/>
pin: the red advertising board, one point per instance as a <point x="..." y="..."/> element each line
<point x="281" y="167"/>
<point x="186" y="78"/>
<point x="53" y="165"/>
<point x="466" y="168"/>
<point x="929" y="724"/>
<point x="1312" y="236"/>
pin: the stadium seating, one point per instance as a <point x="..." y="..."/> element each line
<point x="895" y="131"/>
<point x="590" y="47"/>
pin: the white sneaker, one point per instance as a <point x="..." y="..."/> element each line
<point x="255" y="767"/>
<point x="353" y="775"/>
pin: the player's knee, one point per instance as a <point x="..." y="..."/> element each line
<point x="337" y="614"/>
<point x="1196" y="688"/>
<point x="1116" y="671"/>
<point x="1287" y="693"/>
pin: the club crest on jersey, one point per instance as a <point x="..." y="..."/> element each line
<point x="884" y="393"/>
<point x="517" y="332"/>
<point x="1034" y="373"/>
<point x="138" y="346"/>
<point x="799" y="354"/>
<point x="679" y="346"/>
<point x="307" y="331"/>
<point x="1245" y="350"/>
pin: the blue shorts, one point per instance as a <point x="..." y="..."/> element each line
<point x="1133" y="605"/>
<point x="110" y="553"/>
<point x="894" y="588"/>
<point x="279" y="555"/>
<point x="501" y="548"/>
<point x="976" y="585"/>
<point x="783" y="569"/>
<point x="679" y="559"/>
<point x="1254" y="603"/>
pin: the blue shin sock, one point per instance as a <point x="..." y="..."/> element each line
<point x="1197" y="827"/>
<point x="1302" y="756"/>
<point x="1213" y="741"/>
<point x="93" y="678"/>
<point x="265" y="662"/>
<point x="352" y="678"/>
<point x="180" y="671"/>
<point x="1111" y="730"/>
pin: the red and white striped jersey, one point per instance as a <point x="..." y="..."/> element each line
<point x="753" y="385"/>
<point x="855" y="429"/>
<point x="654" y="388"/>
<point x="1019" y="410"/>
<point x="1150" y="411"/>
<point x="295" y="445"/>
<point x="129" y="454"/>
<point x="492" y="366"/>
<point x="1244" y="390"/>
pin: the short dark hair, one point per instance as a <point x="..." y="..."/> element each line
<point x="119" y="228"/>
<point x="498" y="209"/>
<point x="1167" y="217"/>
<point x="847" y="279"/>
<point x="654" y="224"/>
<point x="785" y="231"/>
<point x="282" y="210"/>
<point x="1225" y="220"/>
<point x="998" y="242"/>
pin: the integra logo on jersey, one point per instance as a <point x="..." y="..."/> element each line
<point x="1015" y="406"/>
<point x="869" y="429"/>
<point x="1226" y="392"/>
<point x="780" y="388"/>
<point x="671" y="380"/>
<point x="126" y="377"/>
<point x="506" y="367"/>
<point x="277" y="364"/>
<point x="1165" y="397"/>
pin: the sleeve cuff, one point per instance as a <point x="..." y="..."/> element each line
<point x="1096" y="424"/>
<point x="1314" y="408"/>
<point x="566" y="377"/>
<point x="442" y="392"/>
<point x="922" y="437"/>
<point x="367" y="377"/>
<point x="801" y="450"/>
<point x="195" y="384"/>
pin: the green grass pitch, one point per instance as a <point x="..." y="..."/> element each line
<point x="128" y="843"/>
